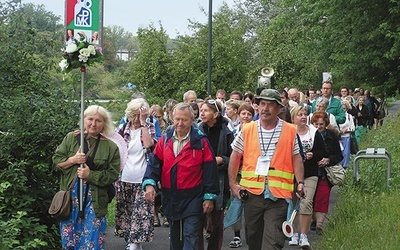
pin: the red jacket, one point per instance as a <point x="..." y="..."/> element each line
<point x="184" y="178"/>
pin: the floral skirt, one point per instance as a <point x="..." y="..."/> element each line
<point x="133" y="215"/>
<point x="87" y="233"/>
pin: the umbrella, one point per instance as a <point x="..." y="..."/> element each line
<point x="123" y="150"/>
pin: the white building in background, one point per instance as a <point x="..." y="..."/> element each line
<point x="123" y="54"/>
<point x="126" y="55"/>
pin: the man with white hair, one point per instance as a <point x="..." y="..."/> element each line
<point x="294" y="95"/>
<point x="190" y="97"/>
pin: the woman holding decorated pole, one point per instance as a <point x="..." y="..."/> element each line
<point x="100" y="159"/>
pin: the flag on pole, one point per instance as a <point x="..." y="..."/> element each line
<point x="86" y="18"/>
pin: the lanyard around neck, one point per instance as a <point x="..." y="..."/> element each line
<point x="270" y="139"/>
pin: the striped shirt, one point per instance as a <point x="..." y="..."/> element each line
<point x="267" y="138"/>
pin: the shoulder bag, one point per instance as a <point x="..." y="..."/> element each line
<point x="61" y="205"/>
<point x="335" y="174"/>
<point x="353" y="143"/>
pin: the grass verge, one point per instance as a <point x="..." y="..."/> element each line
<point x="367" y="213"/>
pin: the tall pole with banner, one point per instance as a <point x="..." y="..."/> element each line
<point x="83" y="18"/>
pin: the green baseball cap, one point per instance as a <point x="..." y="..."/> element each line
<point x="270" y="95"/>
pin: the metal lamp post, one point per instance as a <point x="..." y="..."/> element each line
<point x="322" y="21"/>
<point x="209" y="47"/>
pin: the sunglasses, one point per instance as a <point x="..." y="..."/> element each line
<point x="213" y="102"/>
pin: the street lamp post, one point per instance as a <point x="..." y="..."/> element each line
<point x="209" y="47"/>
<point x="322" y="21"/>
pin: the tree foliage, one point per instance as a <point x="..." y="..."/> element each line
<point x="34" y="119"/>
<point x="117" y="39"/>
<point x="355" y="43"/>
<point x="150" y="71"/>
<point x="164" y="70"/>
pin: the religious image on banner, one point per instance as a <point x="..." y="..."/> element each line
<point x="95" y="38"/>
<point x="69" y="36"/>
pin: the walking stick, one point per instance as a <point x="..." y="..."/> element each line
<point x="81" y="195"/>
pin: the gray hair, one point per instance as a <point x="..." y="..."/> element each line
<point x="135" y="105"/>
<point x="138" y="95"/>
<point x="183" y="106"/>
<point x="108" y="124"/>
<point x="186" y="95"/>
<point x="347" y="103"/>
<point x="170" y="104"/>
<point x="323" y="100"/>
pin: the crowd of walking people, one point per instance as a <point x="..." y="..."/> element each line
<point x="185" y="161"/>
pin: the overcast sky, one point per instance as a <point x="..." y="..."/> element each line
<point x="132" y="14"/>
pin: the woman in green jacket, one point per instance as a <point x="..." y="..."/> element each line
<point x="101" y="167"/>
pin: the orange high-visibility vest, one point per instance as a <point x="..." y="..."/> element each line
<point x="280" y="174"/>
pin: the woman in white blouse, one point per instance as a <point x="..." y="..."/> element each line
<point x="134" y="215"/>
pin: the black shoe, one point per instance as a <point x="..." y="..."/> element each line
<point x="313" y="226"/>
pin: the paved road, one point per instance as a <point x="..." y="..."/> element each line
<point x="394" y="107"/>
<point x="161" y="240"/>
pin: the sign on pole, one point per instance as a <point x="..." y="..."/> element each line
<point x="326" y="76"/>
<point x="86" y="18"/>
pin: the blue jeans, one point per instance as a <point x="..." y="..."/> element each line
<point x="184" y="233"/>
<point x="346" y="151"/>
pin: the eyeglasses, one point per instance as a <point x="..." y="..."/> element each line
<point x="213" y="102"/>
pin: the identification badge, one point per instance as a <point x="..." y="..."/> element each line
<point x="262" y="167"/>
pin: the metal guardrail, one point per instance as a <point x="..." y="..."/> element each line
<point x="372" y="153"/>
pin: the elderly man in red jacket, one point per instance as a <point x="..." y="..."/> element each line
<point x="185" y="165"/>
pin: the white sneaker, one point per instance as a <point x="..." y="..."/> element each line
<point x="135" y="246"/>
<point x="294" y="240"/>
<point x="235" y="243"/>
<point x="303" y="242"/>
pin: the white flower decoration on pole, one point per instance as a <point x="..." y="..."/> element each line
<point x="71" y="48"/>
<point x="63" y="64"/>
<point x="79" y="54"/>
